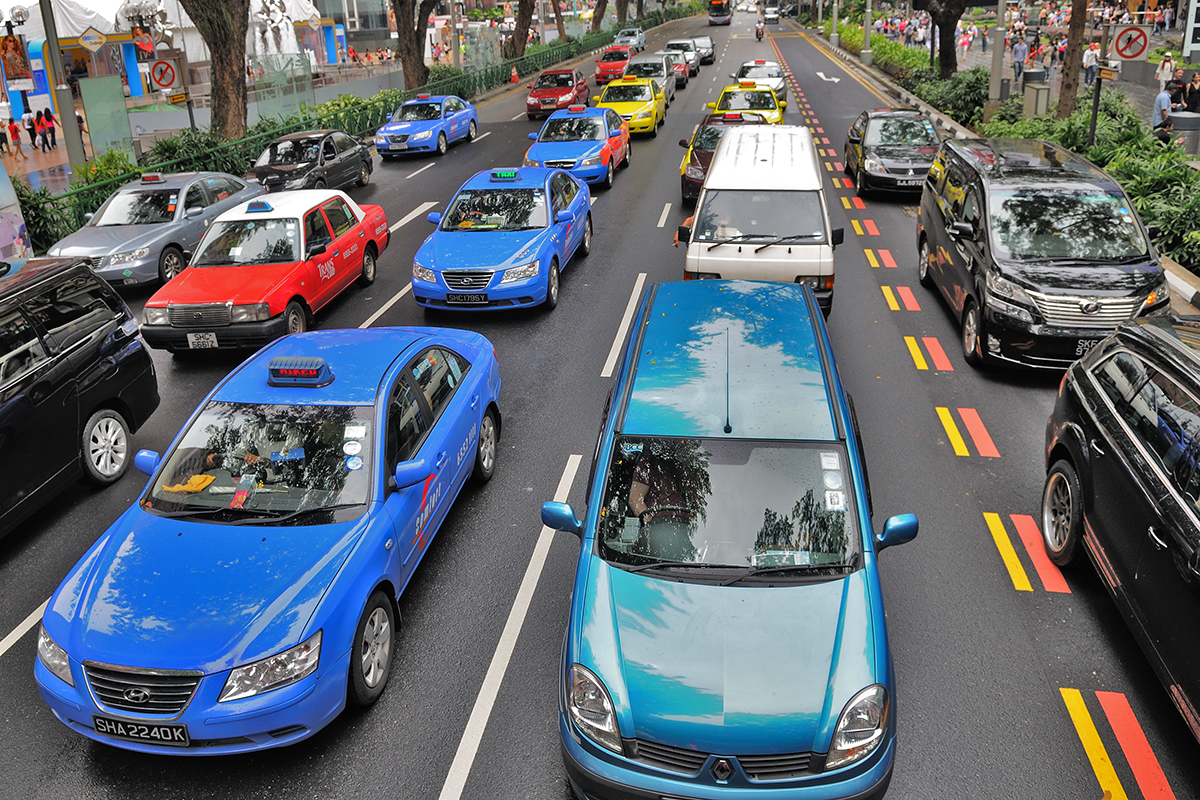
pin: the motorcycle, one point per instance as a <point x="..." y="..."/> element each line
<point x="758" y="32"/>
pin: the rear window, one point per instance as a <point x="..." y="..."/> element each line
<point x="646" y="69"/>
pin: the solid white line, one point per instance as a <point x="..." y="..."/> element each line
<point x="611" y="362"/>
<point x="23" y="628"/>
<point x="483" y="136"/>
<point x="468" y="746"/>
<point x="416" y="212"/>
<point x="371" y="319"/>
<point x="418" y="172"/>
<point x="517" y="117"/>
<point x="662" y="220"/>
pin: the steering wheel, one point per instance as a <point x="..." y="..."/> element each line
<point x="683" y="512"/>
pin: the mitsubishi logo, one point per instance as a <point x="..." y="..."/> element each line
<point x="1089" y="307"/>
<point x="722" y="770"/>
<point x="136" y="694"/>
<point x="910" y="172"/>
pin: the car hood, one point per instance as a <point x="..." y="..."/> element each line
<point x="288" y="172"/>
<point x="414" y="126"/>
<point x="237" y="284"/>
<point x="742" y="670"/>
<point x="560" y="93"/>
<point x="103" y="240"/>
<point x="564" y="150"/>
<point x="612" y="66"/>
<point x="173" y="594"/>
<point x="463" y="250"/>
<point x="1102" y="280"/>
<point x="897" y="155"/>
<point x="629" y="109"/>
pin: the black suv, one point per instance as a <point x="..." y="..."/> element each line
<point x="323" y="159"/>
<point x="1123" y="481"/>
<point x="75" y="380"/>
<point x="1038" y="252"/>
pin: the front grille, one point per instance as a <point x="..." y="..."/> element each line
<point x="467" y="280"/>
<point x="398" y="138"/>
<point x="627" y="117"/>
<point x="915" y="172"/>
<point x="562" y="163"/>
<point x="205" y="316"/>
<point x="163" y="692"/>
<point x="548" y="101"/>
<point x="1067" y="310"/>
<point x="664" y="756"/>
<point x="776" y="767"/>
<point x="95" y="261"/>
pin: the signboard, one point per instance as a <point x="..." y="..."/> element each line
<point x="314" y="21"/>
<point x="92" y="40"/>
<point x="1191" y="31"/>
<point x="17" y="69"/>
<point x="1131" y="43"/>
<point x="164" y="74"/>
<point x="175" y="99"/>
<point x="1109" y="74"/>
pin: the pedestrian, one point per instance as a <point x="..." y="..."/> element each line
<point x="1166" y="19"/>
<point x="27" y="119"/>
<point x="1166" y="70"/>
<point x="14" y="140"/>
<point x="1162" y="108"/>
<point x="1020" y="51"/>
<point x="983" y="37"/>
<point x="1192" y="94"/>
<point x="43" y="137"/>
<point x="48" y="115"/>
<point x="1158" y="22"/>
<point x="1090" y="60"/>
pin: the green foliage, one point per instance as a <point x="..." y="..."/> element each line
<point x="44" y="222"/>
<point x="897" y="58"/>
<point x="962" y="97"/>
<point x="113" y="164"/>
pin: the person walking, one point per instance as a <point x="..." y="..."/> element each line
<point x="1166" y="70"/>
<point x="43" y="137"/>
<point x="1192" y="94"/>
<point x="1090" y="60"/>
<point x="27" y="119"/>
<point x="48" y="115"/>
<point x="1020" y="52"/>
<point x="14" y="141"/>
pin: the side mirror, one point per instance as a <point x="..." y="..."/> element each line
<point x="683" y="142"/>
<point x="961" y="230"/>
<point x="685" y="233"/>
<point x="853" y="137"/>
<point x="529" y="86"/>
<point x="1153" y="231"/>
<point x="410" y="473"/>
<point x="315" y="250"/>
<point x="146" y="462"/>
<point x="713" y="106"/>
<point x="837" y="236"/>
<point x="560" y="517"/>
<point x="388" y="118"/>
<point x="783" y="103"/>
<point x="435" y="217"/>
<point x="595" y="98"/>
<point x="193" y="212"/>
<point x="533" y="136"/>
<point x="897" y="530"/>
<point x="88" y="216"/>
<point x="733" y="75"/>
<point x="564" y="217"/>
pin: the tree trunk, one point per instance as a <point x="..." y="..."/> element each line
<point x="622" y="11"/>
<point x="222" y="25"/>
<point x="641" y="8"/>
<point x="598" y="14"/>
<point x="949" y="13"/>
<point x="558" y="21"/>
<point x="1073" y="62"/>
<point x="521" y="31"/>
<point x="411" y="23"/>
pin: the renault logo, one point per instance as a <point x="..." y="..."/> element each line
<point x="722" y="770"/>
<point x="136" y="694"/>
<point x="1089" y="306"/>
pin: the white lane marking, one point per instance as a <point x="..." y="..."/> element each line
<point x="714" y="78"/>
<point x="662" y="220"/>
<point x="611" y="362"/>
<point x="593" y="200"/>
<point x="416" y="212"/>
<point x="517" y="117"/>
<point x="418" y="172"/>
<point x="468" y="746"/>
<point x="834" y="79"/>
<point x="23" y="628"/>
<point x="483" y="136"/>
<point x="396" y="297"/>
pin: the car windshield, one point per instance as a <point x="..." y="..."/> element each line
<point x="707" y="137"/>
<point x="913" y="132"/>
<point x="646" y="69"/>
<point x="734" y="503"/>
<point x="760" y="72"/>
<point x="746" y="101"/>
<point x="244" y="460"/>
<point x="497" y="210"/>
<point x="750" y="214"/>
<point x="556" y="81"/>
<point x="416" y="112"/>
<point x="626" y="93"/>
<point x="138" y="207"/>
<point x="629" y="33"/>
<point x="240" y="242"/>
<point x="615" y="55"/>
<point x="1064" y="223"/>
<point x="572" y="129"/>
<point x="704" y="42"/>
<point x="685" y="47"/>
<point x="290" y="151"/>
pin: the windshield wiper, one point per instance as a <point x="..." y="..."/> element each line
<point x="741" y="237"/>
<point x="673" y="564"/>
<point x="812" y="569"/>
<point x="791" y="238"/>
<point x="276" y="518"/>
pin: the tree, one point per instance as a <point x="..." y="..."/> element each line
<point x="558" y="20"/>
<point x="622" y="11"/>
<point x="1074" y="59"/>
<point x="521" y="29"/>
<point x="946" y="14"/>
<point x="641" y="8"/>
<point x="411" y="24"/>
<point x="222" y="25"/>
<point x="598" y="14"/>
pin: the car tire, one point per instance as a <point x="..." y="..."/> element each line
<point x="628" y="154"/>
<point x="1062" y="513"/>
<point x="371" y="651"/>
<point x="532" y="117"/>
<point x="971" y="335"/>
<point x="364" y="175"/>
<point x="170" y="263"/>
<point x="319" y="184"/>
<point x="923" y="276"/>
<point x="485" y="450"/>
<point x="860" y="189"/>
<point x="295" y="320"/>
<point x="442" y="144"/>
<point x="105" y="447"/>
<point x="552" y="287"/>
<point x="369" y="267"/>
<point x="472" y="131"/>
<point x="608" y="176"/>
<point x="585" y="246"/>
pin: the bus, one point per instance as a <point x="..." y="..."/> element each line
<point x="720" y="12"/>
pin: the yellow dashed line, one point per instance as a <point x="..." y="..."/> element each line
<point x="894" y="306"/>
<point x="1000" y="536"/>
<point x="956" y="440"/>
<point x="857" y="227"/>
<point x="870" y="253"/>
<point x="846" y="204"/>
<point x="1110" y="784"/>
<point x="914" y="349"/>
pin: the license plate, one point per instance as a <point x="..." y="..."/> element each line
<point x="150" y="733"/>
<point x="908" y="183"/>
<point x="466" y="298"/>
<point x="201" y="341"/>
<point x="398" y="146"/>
<point x="1082" y="346"/>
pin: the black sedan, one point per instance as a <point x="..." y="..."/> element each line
<point x="703" y="145"/>
<point x="890" y="148"/>
<point x="1123" y="483"/>
<point x="324" y="159"/>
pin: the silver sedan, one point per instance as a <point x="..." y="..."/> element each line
<point x="764" y="73"/>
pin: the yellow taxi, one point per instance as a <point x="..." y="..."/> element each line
<point x="637" y="100"/>
<point x="751" y="96"/>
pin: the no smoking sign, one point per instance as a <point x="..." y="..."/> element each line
<point x="1132" y="43"/>
<point x="164" y="75"/>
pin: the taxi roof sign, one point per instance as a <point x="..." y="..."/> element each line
<point x="153" y="177"/>
<point x="259" y="205"/>
<point x="310" y="371"/>
<point x="630" y="77"/>
<point x="747" y="84"/>
<point x="576" y="109"/>
<point x="505" y="175"/>
<point x="422" y="97"/>
<point x="733" y="115"/>
<point x="760" y="61"/>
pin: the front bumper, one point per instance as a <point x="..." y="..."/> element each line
<point x="535" y="107"/>
<point x="130" y="273"/>
<point x="410" y="146"/>
<point x="517" y="294"/>
<point x="893" y="183"/>
<point x="607" y="76"/>
<point x="642" y="125"/>
<point x="229" y="337"/>
<point x="1039" y="346"/>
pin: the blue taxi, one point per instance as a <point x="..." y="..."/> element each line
<point x="503" y="240"/>
<point x="727" y="635"/>
<point x="591" y="143"/>
<point x="250" y="593"/>
<point x="427" y="123"/>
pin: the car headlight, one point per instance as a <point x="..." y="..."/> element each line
<point x="129" y="255"/>
<point x="422" y="135"/>
<point x="530" y="162"/>
<point x="53" y="657"/>
<point x="298" y="183"/>
<point x="591" y="162"/>
<point x="380" y="140"/>
<point x="423" y="274"/>
<point x="155" y="316"/>
<point x="1159" y="294"/>
<point x="873" y="165"/>
<point x="520" y="273"/>
<point x="274" y="672"/>
<point x="259" y="312"/>
<point x="860" y="728"/>
<point x="590" y="708"/>
<point x="1005" y="288"/>
<point x="644" y="115"/>
<point x="694" y="171"/>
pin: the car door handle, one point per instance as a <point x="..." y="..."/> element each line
<point x="442" y="458"/>
<point x="336" y="253"/>
<point x="474" y="402"/>
<point x="1097" y="448"/>
<point x="1159" y="544"/>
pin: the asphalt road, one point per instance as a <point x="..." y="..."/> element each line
<point x="1004" y="692"/>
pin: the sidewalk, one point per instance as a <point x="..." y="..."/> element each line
<point x="49" y="169"/>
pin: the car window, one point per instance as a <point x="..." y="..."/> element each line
<point x="436" y="380"/>
<point x="1065" y="222"/>
<point x="418" y="112"/>
<point x="1178" y="434"/>
<point x="901" y="131"/>
<point x="569" y="189"/>
<point x="221" y="187"/>
<point x="954" y="189"/>
<point x="340" y="216"/>
<point x="1126" y="380"/>
<point x="21" y="350"/>
<point x="196" y="197"/>
<point x="615" y="55"/>
<point x="557" y="196"/>
<point x="481" y="210"/>
<point x="244" y="242"/>
<point x="937" y="172"/>
<point x="344" y="142"/>
<point x="614" y="122"/>
<point x="315" y="230"/>
<point x="137" y="207"/>
<point x="749" y="100"/>
<point x="73" y="309"/>
<point x="970" y="209"/>
<point x="328" y="149"/>
<point x="627" y="93"/>
<point x="572" y="129"/>
<point x="289" y="151"/>
<point x="405" y="426"/>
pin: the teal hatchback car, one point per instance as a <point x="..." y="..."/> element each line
<point x="727" y="637"/>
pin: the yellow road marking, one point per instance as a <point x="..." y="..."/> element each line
<point x="913" y="348"/>
<point x="1110" y="784"/>
<point x="956" y="440"/>
<point x="828" y="166"/>
<point x="857" y="228"/>
<point x="870" y="253"/>
<point x="1007" y="553"/>
<point x="846" y="204"/>
<point x="894" y="306"/>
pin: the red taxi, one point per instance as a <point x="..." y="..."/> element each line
<point x="264" y="268"/>
<point x="611" y="64"/>
<point x="555" y="89"/>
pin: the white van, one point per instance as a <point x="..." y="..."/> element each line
<point x="762" y="213"/>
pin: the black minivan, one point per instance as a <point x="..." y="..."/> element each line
<point x="1039" y="253"/>
<point x="75" y="381"/>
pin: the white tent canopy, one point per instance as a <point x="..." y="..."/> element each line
<point x="71" y="18"/>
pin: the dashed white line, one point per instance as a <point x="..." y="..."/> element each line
<point x="662" y="220"/>
<point x="483" y="136"/>
<point x="410" y="216"/>
<point x="418" y="172"/>
<point x="517" y="117"/>
<point x="23" y="628"/>
<point x="395" y="298"/>
<point x="611" y="362"/>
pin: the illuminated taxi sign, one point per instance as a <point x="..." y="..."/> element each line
<point x="576" y="109"/>
<point x="257" y="206"/>
<point x="631" y="77"/>
<point x="760" y="61"/>
<point x="734" y="115"/>
<point x="309" y="371"/>
<point x="505" y="175"/>
<point x="747" y="84"/>
<point x="153" y="177"/>
<point x="422" y="97"/>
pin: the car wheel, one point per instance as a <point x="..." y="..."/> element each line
<point x="552" y="285"/>
<point x="923" y="276"/>
<point x="608" y="176"/>
<point x="442" y="144"/>
<point x="369" y="268"/>
<point x="371" y="652"/>
<point x="472" y="131"/>
<point x="170" y="263"/>
<point x="1062" y="513"/>
<point x="860" y="189"/>
<point x="485" y="452"/>
<point x="846" y="164"/>
<point x="105" y="447"/>
<point x="319" y="184"/>
<point x="628" y="154"/>
<point x="972" y="334"/>
<point x="532" y="117"/>
<point x="364" y="175"/>
<point x="585" y="247"/>
<point x="295" y="320"/>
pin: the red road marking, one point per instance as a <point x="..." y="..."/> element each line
<point x="940" y="362"/>
<point x="858" y="202"/>
<point x="910" y="302"/>
<point x="831" y="152"/>
<point x="824" y="140"/>
<point x="822" y="130"/>
<point x="1146" y="770"/>
<point x="838" y="166"/>
<point x="870" y="226"/>
<point x="1031" y="537"/>
<point x="886" y="255"/>
<point x="979" y="435"/>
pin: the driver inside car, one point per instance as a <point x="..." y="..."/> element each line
<point x="656" y="498"/>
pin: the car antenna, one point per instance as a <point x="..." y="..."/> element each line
<point x="728" y="427"/>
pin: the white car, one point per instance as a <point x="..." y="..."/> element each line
<point x="633" y="38"/>
<point x="771" y="15"/>
<point x="764" y="73"/>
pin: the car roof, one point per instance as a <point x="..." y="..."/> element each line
<point x="557" y="72"/>
<point x="742" y="353"/>
<point x="623" y="47"/>
<point x="17" y="274"/>
<point x="287" y="204"/>
<point x="896" y="111"/>
<point x="760" y="62"/>
<point x="1022" y="161"/>
<point x="766" y="157"/>
<point x="288" y="137"/>
<point x="174" y="180"/>
<point x="685" y="39"/>
<point x="357" y="358"/>
<point x="527" y="178"/>
<point x="651" y="57"/>
<point x="429" y="98"/>
<point x="733" y="118"/>
<point x="585" y="111"/>
<point x="631" y="80"/>
<point x="1178" y="334"/>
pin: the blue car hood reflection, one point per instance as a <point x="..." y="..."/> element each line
<point x="733" y="670"/>
<point x="554" y="151"/>
<point x="187" y="595"/>
<point x="479" y="250"/>
<point x="413" y="126"/>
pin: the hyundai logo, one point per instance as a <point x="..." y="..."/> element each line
<point x="136" y="694"/>
<point x="1089" y="306"/>
<point x="722" y="770"/>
